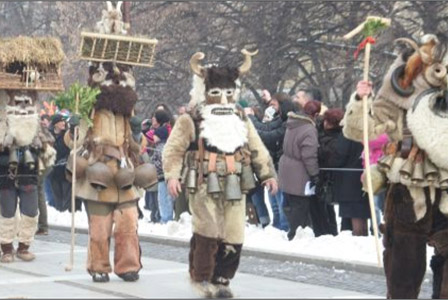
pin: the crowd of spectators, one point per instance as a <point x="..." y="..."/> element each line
<point x="318" y="167"/>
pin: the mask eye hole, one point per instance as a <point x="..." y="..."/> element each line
<point x="215" y="92"/>
<point x="229" y="92"/>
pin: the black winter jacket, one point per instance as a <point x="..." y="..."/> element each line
<point x="272" y="134"/>
<point x="347" y="185"/>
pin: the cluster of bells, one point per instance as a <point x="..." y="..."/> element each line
<point x="100" y="176"/>
<point x="416" y="171"/>
<point x="15" y="158"/>
<point x="234" y="188"/>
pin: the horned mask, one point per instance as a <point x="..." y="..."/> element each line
<point x="430" y="59"/>
<point x="215" y="92"/>
<point x="217" y="85"/>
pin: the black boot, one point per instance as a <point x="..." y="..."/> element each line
<point x="100" y="277"/>
<point x="129" y="276"/>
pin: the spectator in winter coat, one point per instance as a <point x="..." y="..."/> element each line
<point x="328" y="137"/>
<point x="303" y="96"/>
<point x="298" y="165"/>
<point x="272" y="134"/>
<point x="347" y="187"/>
<point x="160" y="120"/>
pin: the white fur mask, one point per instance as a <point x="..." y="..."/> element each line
<point x="429" y="130"/>
<point x="227" y="132"/>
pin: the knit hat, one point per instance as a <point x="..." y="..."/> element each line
<point x="56" y="119"/>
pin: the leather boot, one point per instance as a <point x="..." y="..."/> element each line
<point x="7" y="256"/>
<point x="24" y="254"/>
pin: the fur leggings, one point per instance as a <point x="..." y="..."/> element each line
<point x="405" y="242"/>
<point x="211" y="258"/>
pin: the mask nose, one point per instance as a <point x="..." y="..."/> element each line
<point x="224" y="99"/>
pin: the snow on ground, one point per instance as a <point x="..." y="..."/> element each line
<point x="343" y="247"/>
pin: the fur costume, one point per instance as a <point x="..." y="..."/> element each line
<point x="411" y="108"/>
<point x="204" y="141"/>
<point x="25" y="150"/>
<point x="108" y="172"/>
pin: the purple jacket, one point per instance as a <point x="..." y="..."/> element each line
<point x="299" y="159"/>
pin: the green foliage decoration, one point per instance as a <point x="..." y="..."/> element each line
<point x="373" y="27"/>
<point x="87" y="100"/>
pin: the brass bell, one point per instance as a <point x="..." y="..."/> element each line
<point x="443" y="182"/>
<point x="124" y="178"/>
<point x="417" y="173"/>
<point x="213" y="186"/>
<point x="385" y="162"/>
<point x="192" y="179"/>
<point x="430" y="170"/>
<point x="406" y="169"/>
<point x="13" y="159"/>
<point x="233" y="188"/>
<point x="247" y="179"/>
<point x="29" y="159"/>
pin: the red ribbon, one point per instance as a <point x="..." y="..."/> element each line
<point x="363" y="44"/>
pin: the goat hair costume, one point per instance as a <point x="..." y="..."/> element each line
<point x="411" y="107"/>
<point x="214" y="151"/>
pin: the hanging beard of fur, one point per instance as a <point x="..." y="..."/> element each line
<point x="118" y="99"/>
<point x="222" y="128"/>
<point x="22" y="128"/>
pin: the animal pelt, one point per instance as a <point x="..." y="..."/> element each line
<point x="22" y="130"/>
<point x="182" y="135"/>
<point x="45" y="135"/>
<point x="430" y="130"/>
<point x="226" y="132"/>
<point x="220" y="77"/>
<point x="443" y="206"/>
<point x="419" y="202"/>
<point x="111" y="21"/>
<point x="119" y="100"/>
<point x="47" y="158"/>
<point x="384" y="117"/>
<point x="119" y="74"/>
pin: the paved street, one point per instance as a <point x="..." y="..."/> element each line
<point x="160" y="278"/>
<point x="364" y="283"/>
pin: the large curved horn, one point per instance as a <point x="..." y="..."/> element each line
<point x="411" y="43"/>
<point x="245" y="67"/>
<point x="109" y="5"/>
<point x="194" y="63"/>
<point x="425" y="58"/>
<point x="99" y="77"/>
<point x="119" y="3"/>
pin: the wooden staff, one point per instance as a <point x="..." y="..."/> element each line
<point x="365" y="127"/>
<point x="72" y="244"/>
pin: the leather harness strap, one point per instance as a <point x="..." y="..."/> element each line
<point x="212" y="162"/>
<point x="230" y="164"/>
<point x="200" y="157"/>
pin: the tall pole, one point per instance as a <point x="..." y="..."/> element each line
<point x="69" y="267"/>
<point x="365" y="110"/>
